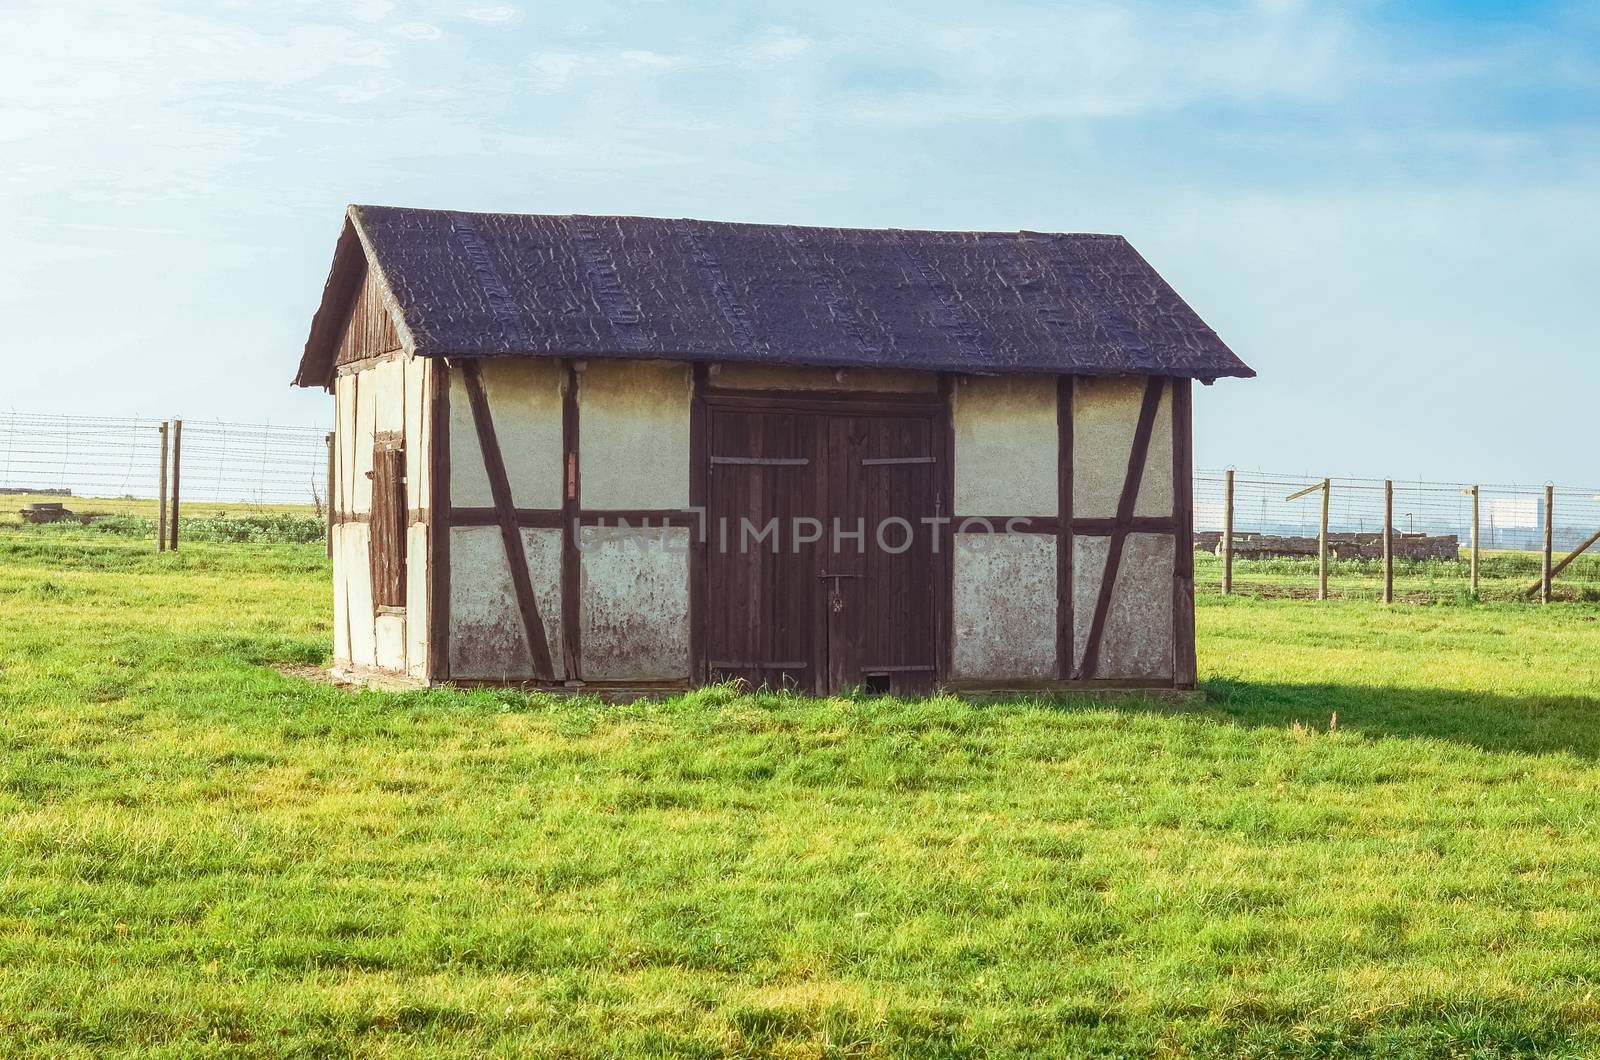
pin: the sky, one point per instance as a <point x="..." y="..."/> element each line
<point x="1390" y="210"/>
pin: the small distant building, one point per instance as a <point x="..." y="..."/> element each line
<point x="634" y="455"/>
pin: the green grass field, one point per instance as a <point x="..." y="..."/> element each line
<point x="202" y="855"/>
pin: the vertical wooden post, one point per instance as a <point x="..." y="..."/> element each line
<point x="1388" y="541"/>
<point x="1322" y="544"/>
<point x="1227" y="532"/>
<point x="1549" y="539"/>
<point x="177" y="463"/>
<point x="161" y="494"/>
<point x="1474" y="542"/>
<point x="328" y="493"/>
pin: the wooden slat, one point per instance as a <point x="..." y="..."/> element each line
<point x="500" y="489"/>
<point x="762" y="461"/>
<point x="1125" y="505"/>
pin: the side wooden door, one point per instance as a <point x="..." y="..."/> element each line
<point x="765" y="481"/>
<point x="880" y="568"/>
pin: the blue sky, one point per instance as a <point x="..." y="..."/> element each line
<point x="1389" y="210"/>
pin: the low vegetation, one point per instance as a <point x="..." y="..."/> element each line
<point x="1379" y="836"/>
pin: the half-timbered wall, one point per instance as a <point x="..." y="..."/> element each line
<point x="1051" y="482"/>
<point x="520" y="410"/>
<point x="1044" y="506"/>
<point x="615" y="457"/>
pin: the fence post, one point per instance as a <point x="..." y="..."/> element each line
<point x="328" y="493"/>
<point x="1474" y="542"/>
<point x="1549" y="539"/>
<point x="1322" y="545"/>
<point x="1227" y="532"/>
<point x="1388" y="540"/>
<point x="161" y="494"/>
<point x="177" y="463"/>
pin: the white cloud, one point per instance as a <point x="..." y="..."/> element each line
<point x="496" y="16"/>
<point x="417" y="31"/>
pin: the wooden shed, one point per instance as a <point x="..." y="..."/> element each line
<point x="631" y="454"/>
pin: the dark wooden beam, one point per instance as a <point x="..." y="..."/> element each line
<point x="1064" y="527"/>
<point x="439" y="527"/>
<point x="1184" y="669"/>
<point x="1119" y="535"/>
<point x="945" y="505"/>
<point x="494" y="466"/>
<point x="525" y="518"/>
<point x="699" y="498"/>
<point x="571" y="505"/>
<point x="1139" y="524"/>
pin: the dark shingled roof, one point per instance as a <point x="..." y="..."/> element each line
<point x="495" y="285"/>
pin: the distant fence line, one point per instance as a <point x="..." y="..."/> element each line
<point x="259" y="463"/>
<point x="1510" y="516"/>
<point x="120" y="456"/>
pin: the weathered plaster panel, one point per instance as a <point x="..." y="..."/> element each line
<point x="1005" y="606"/>
<point x="486" y="636"/>
<point x="344" y="440"/>
<point x="341" y="633"/>
<point x="387" y="381"/>
<point x="417" y="599"/>
<point x="525" y="406"/>
<point x="633" y="426"/>
<point x="362" y="436"/>
<point x="1105" y="419"/>
<point x="781" y="377"/>
<point x="416" y="431"/>
<point x="358" y="585"/>
<point x="1006" y="442"/>
<point x="1137" y="642"/>
<point x="391" y="641"/>
<point x="635" y="604"/>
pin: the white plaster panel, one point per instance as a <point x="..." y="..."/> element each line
<point x="341" y="638"/>
<point x="417" y="437"/>
<point x="387" y="381"/>
<point x="358" y="582"/>
<point x="524" y="397"/>
<point x="391" y="641"/>
<point x="1006" y="439"/>
<point x="635" y="604"/>
<point x="417" y="599"/>
<point x="1105" y="419"/>
<point x="344" y="440"/>
<point x="486" y="635"/>
<point x="785" y="377"/>
<point x="1005" y="606"/>
<point x="362" y="437"/>
<point x="633" y="434"/>
<point x="1137" y="641"/>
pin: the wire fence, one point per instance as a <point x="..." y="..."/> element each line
<point x="120" y="457"/>
<point x="1275" y="538"/>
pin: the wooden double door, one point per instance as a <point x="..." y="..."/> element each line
<point x="822" y="549"/>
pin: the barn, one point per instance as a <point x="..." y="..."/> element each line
<point x="631" y="455"/>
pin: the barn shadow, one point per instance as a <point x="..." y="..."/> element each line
<point x="1525" y="724"/>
